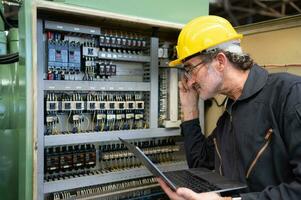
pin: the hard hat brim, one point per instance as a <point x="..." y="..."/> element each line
<point x="175" y="63"/>
<point x="179" y="60"/>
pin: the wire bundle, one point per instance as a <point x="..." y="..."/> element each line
<point x="9" y="58"/>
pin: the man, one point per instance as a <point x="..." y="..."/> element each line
<point x="258" y="138"/>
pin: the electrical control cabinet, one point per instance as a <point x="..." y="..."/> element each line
<point x="97" y="82"/>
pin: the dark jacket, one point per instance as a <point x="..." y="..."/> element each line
<point x="257" y="139"/>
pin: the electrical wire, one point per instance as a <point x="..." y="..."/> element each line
<point x="9" y="58"/>
<point x="5" y="21"/>
<point x="79" y="127"/>
<point x="88" y="125"/>
<point x="59" y="122"/>
<point x="219" y="105"/>
<point x="68" y="122"/>
<point x="102" y="125"/>
<point x="281" y="65"/>
<point x="56" y="132"/>
<point x="92" y="123"/>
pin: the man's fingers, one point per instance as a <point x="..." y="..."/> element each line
<point x="187" y="194"/>
<point x="184" y="83"/>
<point x="171" y="194"/>
<point x="181" y="87"/>
<point x="165" y="187"/>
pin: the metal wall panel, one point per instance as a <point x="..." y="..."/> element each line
<point x="167" y="10"/>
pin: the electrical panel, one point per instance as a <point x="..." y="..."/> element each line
<point x="97" y="83"/>
<point x="73" y="112"/>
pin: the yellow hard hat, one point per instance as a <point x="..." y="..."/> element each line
<point x="202" y="33"/>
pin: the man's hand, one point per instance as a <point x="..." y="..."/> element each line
<point x="187" y="194"/>
<point x="189" y="100"/>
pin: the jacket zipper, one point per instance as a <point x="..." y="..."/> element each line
<point x="267" y="138"/>
<point x="219" y="155"/>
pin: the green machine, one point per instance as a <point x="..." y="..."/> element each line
<point x="2" y="35"/>
<point x="12" y="114"/>
<point x="16" y="86"/>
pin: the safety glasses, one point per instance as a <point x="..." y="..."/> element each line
<point x="189" y="69"/>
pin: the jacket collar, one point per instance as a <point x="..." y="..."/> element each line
<point x="256" y="80"/>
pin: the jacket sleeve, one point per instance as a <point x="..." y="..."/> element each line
<point x="292" y="139"/>
<point x="199" y="149"/>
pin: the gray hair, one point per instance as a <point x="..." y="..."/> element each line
<point x="233" y="52"/>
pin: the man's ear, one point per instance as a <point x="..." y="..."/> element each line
<point x="221" y="60"/>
